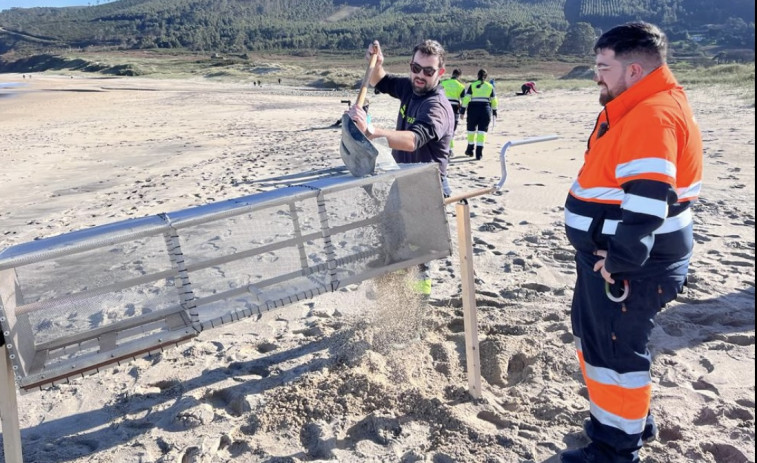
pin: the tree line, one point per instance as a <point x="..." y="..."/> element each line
<point x="533" y="27"/>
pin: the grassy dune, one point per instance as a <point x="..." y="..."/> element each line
<point x="344" y="71"/>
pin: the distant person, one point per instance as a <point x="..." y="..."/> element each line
<point x="480" y="101"/>
<point x="454" y="90"/>
<point x="527" y="89"/>
<point x="279" y="80"/>
<point x="629" y="217"/>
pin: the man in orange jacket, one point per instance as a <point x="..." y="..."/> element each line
<point x="628" y="215"/>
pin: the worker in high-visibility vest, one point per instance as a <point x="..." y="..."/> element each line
<point x="454" y="90"/>
<point x="629" y="215"/>
<point x="480" y="101"/>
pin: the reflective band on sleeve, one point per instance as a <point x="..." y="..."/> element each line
<point x="690" y="192"/>
<point x="642" y="205"/>
<point x="673" y="224"/>
<point x="645" y="166"/>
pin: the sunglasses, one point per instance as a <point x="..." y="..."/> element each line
<point x="416" y="68"/>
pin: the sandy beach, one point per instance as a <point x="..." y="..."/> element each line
<point x="318" y="380"/>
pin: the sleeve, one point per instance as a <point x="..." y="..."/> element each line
<point x="644" y="209"/>
<point x="430" y="126"/>
<point x="466" y="96"/>
<point x="389" y="84"/>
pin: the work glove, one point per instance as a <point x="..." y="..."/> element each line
<point x="494" y="112"/>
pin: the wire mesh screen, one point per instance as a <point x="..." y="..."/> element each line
<point x="92" y="289"/>
<point x="73" y="303"/>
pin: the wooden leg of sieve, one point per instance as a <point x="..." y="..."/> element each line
<point x="9" y="411"/>
<point x="470" y="317"/>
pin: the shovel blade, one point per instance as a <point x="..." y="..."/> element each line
<point x="358" y="153"/>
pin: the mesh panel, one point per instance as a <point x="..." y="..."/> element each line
<point x="92" y="289"/>
<point x="76" y="302"/>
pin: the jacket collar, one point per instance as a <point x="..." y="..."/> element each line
<point x="659" y="80"/>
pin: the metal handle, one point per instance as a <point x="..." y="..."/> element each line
<point x="503" y="151"/>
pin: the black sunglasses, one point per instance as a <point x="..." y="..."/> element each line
<point x="417" y="68"/>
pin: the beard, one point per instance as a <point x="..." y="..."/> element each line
<point x="422" y="89"/>
<point x="608" y="95"/>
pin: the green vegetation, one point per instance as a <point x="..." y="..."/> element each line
<point x="543" y="28"/>
<point x="321" y="42"/>
<point x="736" y="78"/>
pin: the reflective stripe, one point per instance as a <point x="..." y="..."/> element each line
<point x="643" y="205"/>
<point x="690" y="192"/>
<point x="454" y="100"/>
<point x="576" y="221"/>
<point x="621" y="406"/>
<point x="645" y="166"/>
<point x="631" y="427"/>
<point x="673" y="224"/>
<point x="597" y="193"/>
<point x="609" y="227"/>
<point x="480" y="99"/>
<point x="631" y="380"/>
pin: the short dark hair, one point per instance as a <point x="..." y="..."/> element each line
<point x="431" y="48"/>
<point x="482" y="74"/>
<point x="635" y="40"/>
<point x="456" y="73"/>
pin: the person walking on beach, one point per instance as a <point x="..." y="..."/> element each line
<point x="480" y="101"/>
<point x="629" y="217"/>
<point x="425" y="123"/>
<point x="454" y="89"/>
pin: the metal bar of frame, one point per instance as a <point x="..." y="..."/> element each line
<point x="465" y="248"/>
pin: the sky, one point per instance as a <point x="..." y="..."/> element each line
<point x="6" y="4"/>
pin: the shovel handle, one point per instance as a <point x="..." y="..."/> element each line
<point x="366" y="78"/>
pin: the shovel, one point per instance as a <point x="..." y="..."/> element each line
<point x="358" y="153"/>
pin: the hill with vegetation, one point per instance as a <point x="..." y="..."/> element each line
<point x="498" y="26"/>
<point x="552" y="29"/>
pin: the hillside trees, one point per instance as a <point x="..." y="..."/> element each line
<point x="579" y="40"/>
<point x="533" y="27"/>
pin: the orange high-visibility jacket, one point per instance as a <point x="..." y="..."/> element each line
<point x="642" y="170"/>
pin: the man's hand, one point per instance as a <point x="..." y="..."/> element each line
<point x="358" y="115"/>
<point x="375" y="49"/>
<point x="600" y="265"/>
<point x="378" y="70"/>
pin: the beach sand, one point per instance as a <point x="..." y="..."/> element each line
<point x="341" y="377"/>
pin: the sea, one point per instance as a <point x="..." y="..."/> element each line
<point x="9" y="88"/>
